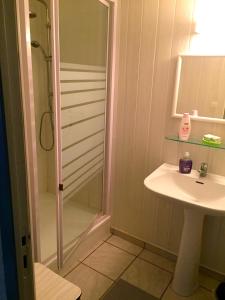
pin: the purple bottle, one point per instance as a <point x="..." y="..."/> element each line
<point x="185" y="164"/>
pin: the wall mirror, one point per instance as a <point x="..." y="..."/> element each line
<point x="200" y="88"/>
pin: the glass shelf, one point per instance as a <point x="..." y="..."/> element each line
<point x="194" y="141"/>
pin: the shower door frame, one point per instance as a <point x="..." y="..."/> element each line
<point x="111" y="58"/>
<point x="23" y="24"/>
<point x="28" y="108"/>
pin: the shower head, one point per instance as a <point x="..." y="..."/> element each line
<point x="35" y="44"/>
<point x="32" y="14"/>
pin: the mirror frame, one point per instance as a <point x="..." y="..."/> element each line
<point x="176" y="89"/>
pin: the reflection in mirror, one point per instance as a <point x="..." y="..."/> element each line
<point x="83" y="28"/>
<point x="200" y="86"/>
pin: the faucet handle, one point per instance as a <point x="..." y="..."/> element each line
<point x="203" y="169"/>
<point x="203" y="166"/>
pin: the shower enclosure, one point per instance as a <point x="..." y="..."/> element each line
<point x="71" y="57"/>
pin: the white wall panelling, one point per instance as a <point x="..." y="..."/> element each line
<point x="152" y="35"/>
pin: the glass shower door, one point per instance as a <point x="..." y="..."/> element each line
<point x="83" y="36"/>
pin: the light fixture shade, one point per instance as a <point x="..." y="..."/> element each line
<point x="209" y="27"/>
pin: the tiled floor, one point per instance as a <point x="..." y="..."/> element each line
<point x="117" y="258"/>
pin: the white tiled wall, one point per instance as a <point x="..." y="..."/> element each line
<point x="152" y="34"/>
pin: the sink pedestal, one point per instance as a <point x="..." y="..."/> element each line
<point x="199" y="196"/>
<point x="185" y="280"/>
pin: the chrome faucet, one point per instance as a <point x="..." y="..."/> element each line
<point x="203" y="169"/>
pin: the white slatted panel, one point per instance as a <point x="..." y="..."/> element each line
<point x="82" y="97"/>
<point x="79" y="131"/>
<point x="76" y="114"/>
<point x="77" y="150"/>
<point x="78" y="163"/>
<point x="76" y="75"/>
<point x="79" y="86"/>
<point x="82" y="179"/>
<point x="83" y="124"/>
<point x="83" y="184"/>
<point x="82" y="171"/>
<point x="77" y="67"/>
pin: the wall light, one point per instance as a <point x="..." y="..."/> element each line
<point x="209" y="16"/>
<point x="209" y="26"/>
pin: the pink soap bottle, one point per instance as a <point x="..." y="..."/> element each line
<point x="185" y="127"/>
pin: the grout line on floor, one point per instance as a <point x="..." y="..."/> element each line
<point x="109" y="288"/>
<point x="101" y="243"/>
<point x="118" y="278"/>
<point x="81" y="261"/>
<point x="138" y="255"/>
<point x="114" y="281"/>
<point x="98" y="272"/>
<point x="71" y="270"/>
<point x="121" y="274"/>
<point x="118" y="247"/>
<point x="207" y="289"/>
<point x="152" y="263"/>
<point x="109" y="237"/>
<point x="163" y="293"/>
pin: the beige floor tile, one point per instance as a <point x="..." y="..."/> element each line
<point x="93" y="285"/>
<point x="109" y="260"/>
<point x="147" y="277"/>
<point x="201" y="294"/>
<point x="158" y="260"/>
<point x="90" y="250"/>
<point x="125" y="245"/>
<point x="208" y="282"/>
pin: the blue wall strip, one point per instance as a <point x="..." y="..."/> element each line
<point x="8" y="271"/>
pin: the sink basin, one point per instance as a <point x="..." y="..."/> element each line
<point x="207" y="193"/>
<point x="199" y="197"/>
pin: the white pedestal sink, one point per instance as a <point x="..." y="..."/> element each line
<point x="199" y="197"/>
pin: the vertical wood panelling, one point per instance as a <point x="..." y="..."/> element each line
<point x="126" y="101"/>
<point x="152" y="34"/>
<point x="118" y="124"/>
<point x="142" y="107"/>
<point x="181" y="40"/>
<point x="131" y="98"/>
<point x="160" y="230"/>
